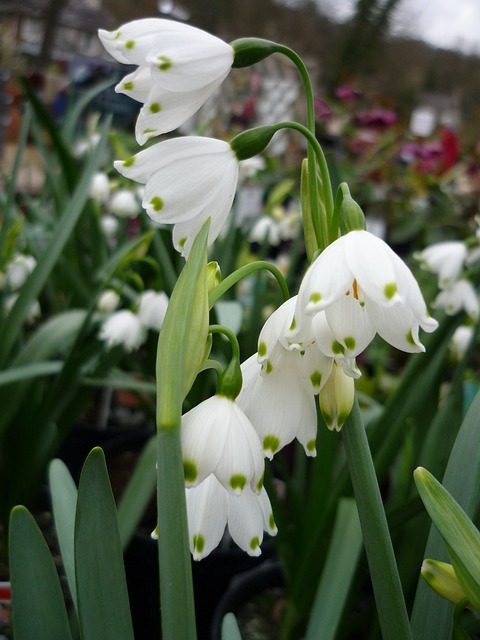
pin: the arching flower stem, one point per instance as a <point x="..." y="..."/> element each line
<point x="232" y="279"/>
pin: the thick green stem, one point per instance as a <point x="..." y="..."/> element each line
<point x="176" y="586"/>
<point x="386" y="584"/>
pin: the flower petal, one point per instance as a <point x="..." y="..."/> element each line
<point x="207" y="511"/>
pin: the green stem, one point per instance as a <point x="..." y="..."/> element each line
<point x="175" y="569"/>
<point x="228" y="333"/>
<point x="231" y="280"/>
<point x="387" y="588"/>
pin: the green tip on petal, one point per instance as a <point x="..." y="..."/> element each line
<point x="254" y="543"/>
<point x="156" y="203"/>
<point x="155" y="107"/>
<point x="262" y="349"/>
<point x="198" y="542"/>
<point x="316" y="378"/>
<point x="238" y="481"/>
<point x="390" y="290"/>
<point x="165" y="63"/>
<point x="260" y="483"/>
<point x="130" y="44"/>
<point x="128" y="86"/>
<point x="349" y="343"/>
<point x="271" y="522"/>
<point x="181" y="242"/>
<point x="337" y="348"/>
<point x="271" y="443"/>
<point x="293" y="325"/>
<point x="269" y="367"/>
<point x="129" y="161"/>
<point x="315" y="297"/>
<point x="311" y="446"/>
<point x="410" y="339"/>
<point x="190" y="471"/>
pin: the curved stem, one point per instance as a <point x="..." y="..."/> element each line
<point x="228" y="333"/>
<point x="216" y="293"/>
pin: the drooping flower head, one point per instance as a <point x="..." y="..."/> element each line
<point x="446" y="259"/>
<point x="123" y="328"/>
<point x="187" y="180"/>
<point x="361" y="287"/>
<point x="179" y="67"/>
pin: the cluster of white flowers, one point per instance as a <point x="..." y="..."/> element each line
<point x="128" y="328"/>
<point x="356" y="288"/>
<point x="448" y="260"/>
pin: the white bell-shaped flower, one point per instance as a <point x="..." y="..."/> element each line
<point x="279" y="384"/>
<point x="210" y="508"/>
<point x="100" y="187"/>
<point x="458" y="296"/>
<point x="179" y="68"/>
<point x="218" y="438"/>
<point x="336" y="398"/>
<point x="363" y="288"/>
<point x="123" y="328"/>
<point x="108" y="301"/>
<point x="461" y="340"/>
<point x="446" y="259"/>
<point x="18" y="270"/>
<point x="152" y="308"/>
<point x="124" y="204"/>
<point x="187" y="180"/>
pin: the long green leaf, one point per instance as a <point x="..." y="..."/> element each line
<point x="432" y="616"/>
<point x="39" y="611"/>
<point x="29" y="371"/>
<point x="341" y="563"/>
<point x="138" y="492"/>
<point x="64" y="503"/>
<point x="103" y="606"/>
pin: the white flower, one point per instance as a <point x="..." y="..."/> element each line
<point x="459" y="295"/>
<point x="363" y="288"/>
<point x="109" y="226"/>
<point x="18" y="270"/>
<point x="152" y="308"/>
<point x="123" y="328"/>
<point x="187" y="180"/>
<point x="279" y="386"/>
<point x="460" y="341"/>
<point x="218" y="438"/>
<point x="124" y="204"/>
<point x="100" y="187"/>
<point x="180" y="67"/>
<point x="108" y="301"/>
<point x="446" y="259"/>
<point x="34" y="312"/>
<point x="210" y="508"/>
<point x="266" y="229"/>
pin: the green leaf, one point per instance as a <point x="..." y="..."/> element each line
<point x="344" y="551"/>
<point x="103" y="606"/>
<point x="39" y="611"/>
<point x="230" y="630"/>
<point x="29" y="371"/>
<point x="457" y="530"/>
<point x="64" y="503"/>
<point x="138" y="492"/>
<point x="432" y="616"/>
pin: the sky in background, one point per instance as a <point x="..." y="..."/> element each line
<point x="450" y="24"/>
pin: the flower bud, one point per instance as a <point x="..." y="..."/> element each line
<point x="336" y="398"/>
<point x="351" y="217"/>
<point x="231" y="380"/>
<point x="248" y="51"/>
<point x="440" y="576"/>
<point x="214" y="275"/>
<point x="253" y="141"/>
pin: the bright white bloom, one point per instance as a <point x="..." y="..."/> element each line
<point x="18" y="270"/>
<point x="123" y="328"/>
<point x="152" y="308"/>
<point x="179" y="68"/>
<point x="363" y="288"/>
<point x="100" y="187"/>
<point x="446" y="259"/>
<point x="210" y="508"/>
<point x="461" y="339"/>
<point x="459" y="295"/>
<point x="336" y="398"/>
<point x="108" y="301"/>
<point x="266" y="229"/>
<point x="187" y="180"/>
<point x="124" y="204"/>
<point x="218" y="438"/>
<point x="279" y="386"/>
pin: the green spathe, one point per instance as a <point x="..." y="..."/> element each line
<point x="351" y="216"/>
<point x="248" y="51"/>
<point x="253" y="141"/>
<point x="183" y="338"/>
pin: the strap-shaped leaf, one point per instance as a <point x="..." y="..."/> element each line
<point x="39" y="611"/>
<point x="103" y="606"/>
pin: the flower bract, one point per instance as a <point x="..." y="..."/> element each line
<point x="187" y="180"/>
